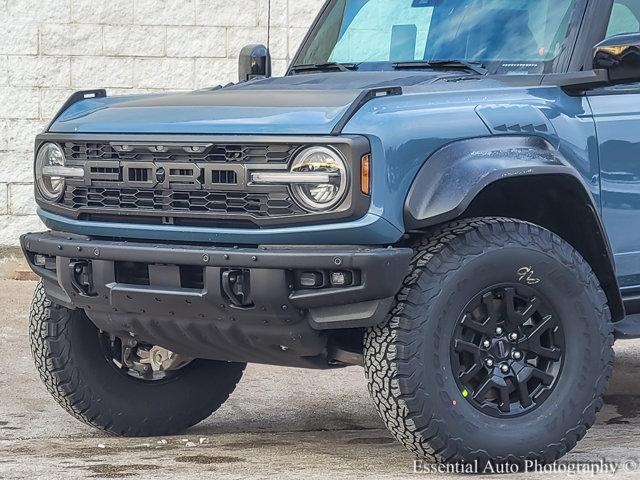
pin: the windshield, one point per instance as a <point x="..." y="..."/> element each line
<point x="507" y="36"/>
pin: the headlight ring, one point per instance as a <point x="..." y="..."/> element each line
<point x="50" y="186"/>
<point x="320" y="196"/>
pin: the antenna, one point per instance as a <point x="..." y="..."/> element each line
<point x="269" y="24"/>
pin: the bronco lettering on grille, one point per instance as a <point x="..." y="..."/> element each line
<point x="165" y="175"/>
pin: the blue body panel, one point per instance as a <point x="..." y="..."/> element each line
<point x="404" y="131"/>
<point x="176" y="119"/>
<point x="617" y="115"/>
<point x="302" y="105"/>
<point x="370" y="229"/>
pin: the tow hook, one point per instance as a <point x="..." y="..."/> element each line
<point x="81" y="278"/>
<point x="237" y="287"/>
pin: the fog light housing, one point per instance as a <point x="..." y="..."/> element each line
<point x="44" y="261"/>
<point x="310" y="279"/>
<point x="341" y="279"/>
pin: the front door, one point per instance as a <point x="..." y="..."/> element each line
<point x="616" y="111"/>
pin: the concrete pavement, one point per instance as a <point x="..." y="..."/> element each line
<point x="279" y="423"/>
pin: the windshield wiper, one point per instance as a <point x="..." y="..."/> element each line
<point x="476" y="67"/>
<point x="324" y="67"/>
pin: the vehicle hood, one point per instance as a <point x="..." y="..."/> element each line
<point x="302" y="104"/>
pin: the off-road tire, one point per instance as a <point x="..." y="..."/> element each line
<point x="408" y="363"/>
<point x="71" y="363"/>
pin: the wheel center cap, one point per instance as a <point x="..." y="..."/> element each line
<point x="501" y="349"/>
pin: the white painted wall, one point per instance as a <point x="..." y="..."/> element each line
<point x="51" y="48"/>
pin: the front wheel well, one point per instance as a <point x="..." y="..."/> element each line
<point x="560" y="204"/>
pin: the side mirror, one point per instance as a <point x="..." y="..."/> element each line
<point x="255" y="62"/>
<point x="620" y="57"/>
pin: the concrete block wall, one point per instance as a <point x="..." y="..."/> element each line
<point x="51" y="48"/>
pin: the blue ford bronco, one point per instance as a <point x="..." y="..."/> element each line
<point x="446" y="192"/>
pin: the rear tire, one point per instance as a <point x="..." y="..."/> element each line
<point x="71" y="363"/>
<point x="413" y="362"/>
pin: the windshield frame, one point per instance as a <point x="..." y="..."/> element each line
<point x="561" y="64"/>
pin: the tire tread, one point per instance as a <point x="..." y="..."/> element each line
<point x="391" y="349"/>
<point x="49" y="333"/>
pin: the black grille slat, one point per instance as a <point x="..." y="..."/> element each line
<point x="138" y="174"/>
<point x="224" y="177"/>
<point x="219" y="153"/>
<point x="258" y="204"/>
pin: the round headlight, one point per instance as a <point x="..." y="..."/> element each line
<point x="320" y="196"/>
<point x="50" y="186"/>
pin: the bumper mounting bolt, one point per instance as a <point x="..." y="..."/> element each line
<point x="96" y="252"/>
<point x="337" y="261"/>
<point x="205" y="258"/>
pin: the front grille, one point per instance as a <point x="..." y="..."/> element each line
<point x="219" y="153"/>
<point x="177" y="181"/>
<point x="171" y="202"/>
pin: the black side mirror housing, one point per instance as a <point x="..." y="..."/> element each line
<point x="620" y="57"/>
<point x="616" y="61"/>
<point x="255" y="62"/>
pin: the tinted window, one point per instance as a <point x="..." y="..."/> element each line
<point x="622" y="20"/>
<point x="518" y="33"/>
<point x="395" y="26"/>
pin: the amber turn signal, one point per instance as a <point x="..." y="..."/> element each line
<point x="365" y="175"/>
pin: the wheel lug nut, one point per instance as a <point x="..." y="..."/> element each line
<point x="504" y="368"/>
<point x="517" y="355"/>
<point x="499" y="330"/>
<point x="513" y="337"/>
<point x="489" y="362"/>
<point x="486" y="344"/>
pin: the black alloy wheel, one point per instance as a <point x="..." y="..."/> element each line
<point x="507" y="350"/>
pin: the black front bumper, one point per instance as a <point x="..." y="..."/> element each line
<point x="180" y="297"/>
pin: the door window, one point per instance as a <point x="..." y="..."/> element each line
<point x="623" y="20"/>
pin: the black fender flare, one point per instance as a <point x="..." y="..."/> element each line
<point x="454" y="176"/>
